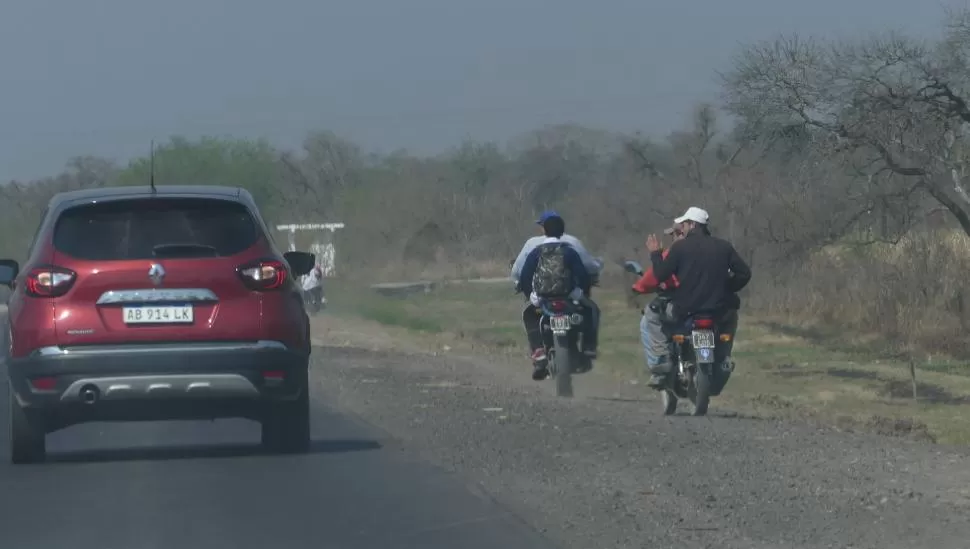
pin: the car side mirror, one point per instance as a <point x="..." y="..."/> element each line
<point x="9" y="269"/>
<point x="300" y="263"/>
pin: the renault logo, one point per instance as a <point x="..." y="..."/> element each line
<point x="156" y="273"/>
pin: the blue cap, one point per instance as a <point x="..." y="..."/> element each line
<point x="546" y="215"/>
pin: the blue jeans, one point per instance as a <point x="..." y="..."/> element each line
<point x="656" y="346"/>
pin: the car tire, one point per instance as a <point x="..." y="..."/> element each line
<point x="286" y="424"/>
<point x="28" y="444"/>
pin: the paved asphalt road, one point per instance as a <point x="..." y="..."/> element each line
<point x="204" y="485"/>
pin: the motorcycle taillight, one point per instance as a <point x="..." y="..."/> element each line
<point x="704" y="323"/>
<point x="557" y="306"/>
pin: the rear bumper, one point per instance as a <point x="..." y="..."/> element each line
<point x="223" y="379"/>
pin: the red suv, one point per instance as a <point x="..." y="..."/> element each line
<point x="144" y="304"/>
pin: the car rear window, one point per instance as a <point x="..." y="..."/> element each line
<point x="146" y="228"/>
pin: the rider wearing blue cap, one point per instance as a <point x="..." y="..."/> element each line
<point x="552" y="228"/>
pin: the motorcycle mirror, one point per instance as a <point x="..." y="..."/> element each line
<point x="633" y="267"/>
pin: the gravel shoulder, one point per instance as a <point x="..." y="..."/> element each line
<point x="605" y="470"/>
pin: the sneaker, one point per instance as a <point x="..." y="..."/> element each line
<point x="590" y="353"/>
<point x="540" y="365"/>
<point x="657" y="381"/>
<point x="540" y="372"/>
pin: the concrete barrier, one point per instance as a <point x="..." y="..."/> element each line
<point x="495" y="280"/>
<point x="398" y="289"/>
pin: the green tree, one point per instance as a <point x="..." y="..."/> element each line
<point x="250" y="164"/>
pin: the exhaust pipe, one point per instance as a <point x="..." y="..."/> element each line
<point x="89" y="394"/>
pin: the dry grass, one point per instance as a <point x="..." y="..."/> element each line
<point x="782" y="370"/>
<point x="911" y="294"/>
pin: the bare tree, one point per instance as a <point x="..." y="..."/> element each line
<point x="877" y="106"/>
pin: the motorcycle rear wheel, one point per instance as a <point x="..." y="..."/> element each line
<point x="562" y="368"/>
<point x="701" y="393"/>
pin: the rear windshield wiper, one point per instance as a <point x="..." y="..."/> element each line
<point x="184" y="250"/>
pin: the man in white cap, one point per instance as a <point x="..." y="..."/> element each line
<point x="709" y="273"/>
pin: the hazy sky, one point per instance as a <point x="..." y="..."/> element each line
<point x="105" y="76"/>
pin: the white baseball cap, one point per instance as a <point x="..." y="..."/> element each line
<point x="694" y="214"/>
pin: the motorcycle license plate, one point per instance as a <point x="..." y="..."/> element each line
<point x="559" y="323"/>
<point x="702" y="339"/>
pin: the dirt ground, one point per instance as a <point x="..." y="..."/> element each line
<point x="606" y="470"/>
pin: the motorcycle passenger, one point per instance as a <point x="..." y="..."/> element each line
<point x="593" y="265"/>
<point x="553" y="268"/>
<point x="709" y="274"/>
<point x="654" y="313"/>
<point x="648" y="283"/>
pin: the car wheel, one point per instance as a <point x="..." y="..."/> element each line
<point x="28" y="444"/>
<point x="286" y="425"/>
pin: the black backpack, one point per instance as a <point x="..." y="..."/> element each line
<point x="552" y="277"/>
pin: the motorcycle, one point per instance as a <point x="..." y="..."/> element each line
<point x="314" y="299"/>
<point x="702" y="369"/>
<point x="561" y="326"/>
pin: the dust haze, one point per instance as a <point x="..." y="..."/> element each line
<point x="827" y="139"/>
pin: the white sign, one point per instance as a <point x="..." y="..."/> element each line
<point x="325" y="252"/>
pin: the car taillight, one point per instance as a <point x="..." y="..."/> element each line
<point x="262" y="275"/>
<point x="49" y="281"/>
<point x="704" y="323"/>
